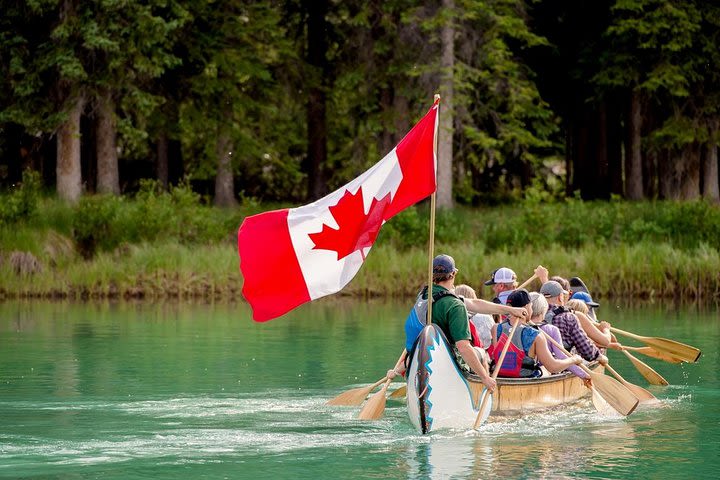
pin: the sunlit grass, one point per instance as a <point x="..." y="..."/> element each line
<point x="172" y="246"/>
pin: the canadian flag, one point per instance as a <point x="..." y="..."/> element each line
<point x="291" y="256"/>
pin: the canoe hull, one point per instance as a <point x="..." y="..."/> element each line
<point x="440" y="396"/>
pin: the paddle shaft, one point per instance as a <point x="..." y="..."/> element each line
<point x="496" y="371"/>
<point x="528" y="281"/>
<point x="378" y="382"/>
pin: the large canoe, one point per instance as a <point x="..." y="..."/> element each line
<point x="441" y="396"/>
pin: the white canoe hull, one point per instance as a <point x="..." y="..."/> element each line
<point x="440" y="396"/>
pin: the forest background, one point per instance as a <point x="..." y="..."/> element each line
<point x="136" y="135"/>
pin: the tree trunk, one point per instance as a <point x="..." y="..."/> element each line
<point x="224" y="183"/>
<point x="711" y="190"/>
<point x="601" y="184"/>
<point x="108" y="176"/>
<point x="689" y="168"/>
<point x="401" y="110"/>
<point x="445" y="133"/>
<point x="161" y="168"/>
<point x="651" y="173"/>
<point x="68" y="176"/>
<point x="615" y="150"/>
<point x="633" y="152"/>
<point x="581" y="161"/>
<point x="670" y="173"/>
<point x="317" y="99"/>
<point x="570" y="153"/>
<point x="387" y="138"/>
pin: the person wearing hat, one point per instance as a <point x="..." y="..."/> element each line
<point x="581" y="303"/>
<point x="449" y="313"/>
<point x="573" y="336"/>
<point x="504" y="282"/>
<point x="530" y="348"/>
<point x="539" y="309"/>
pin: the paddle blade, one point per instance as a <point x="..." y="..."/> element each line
<point x="355" y="396"/>
<point x="399" y="393"/>
<point x="651" y="352"/>
<point x="602" y="407"/>
<point x="615" y="393"/>
<point x="650" y="375"/>
<point x="675" y="349"/>
<point x="682" y="351"/>
<point x="352" y="397"/>
<point x="643" y="395"/>
<point x="375" y="406"/>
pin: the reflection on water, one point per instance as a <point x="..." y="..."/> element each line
<point x="171" y="391"/>
<point x="544" y="445"/>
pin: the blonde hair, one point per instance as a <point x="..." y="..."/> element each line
<point x="577" y="305"/>
<point x="466" y="291"/>
<point x="539" y="305"/>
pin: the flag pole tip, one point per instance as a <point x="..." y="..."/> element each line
<point x="437" y="97"/>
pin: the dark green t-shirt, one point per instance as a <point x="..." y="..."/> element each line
<point x="449" y="313"/>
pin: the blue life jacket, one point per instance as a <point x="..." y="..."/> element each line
<point x="415" y="321"/>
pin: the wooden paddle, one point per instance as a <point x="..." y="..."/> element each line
<point x="612" y="391"/>
<point x="651" y="352"/>
<point x="602" y="407"/>
<point x="480" y="417"/>
<point x="527" y="282"/>
<point x="650" y="375"/>
<point x="399" y="393"/>
<point x="375" y="406"/>
<point x="355" y="396"/>
<point x="643" y="395"/>
<point x="676" y="349"/>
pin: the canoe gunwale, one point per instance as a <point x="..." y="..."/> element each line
<point x="555" y="377"/>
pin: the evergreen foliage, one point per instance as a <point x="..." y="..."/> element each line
<point x="268" y="98"/>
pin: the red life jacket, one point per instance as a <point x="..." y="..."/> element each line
<point x="513" y="361"/>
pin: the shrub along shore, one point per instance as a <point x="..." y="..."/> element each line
<point x="168" y="245"/>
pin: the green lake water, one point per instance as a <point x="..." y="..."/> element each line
<point x="122" y="391"/>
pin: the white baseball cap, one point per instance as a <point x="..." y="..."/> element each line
<point x="502" y="275"/>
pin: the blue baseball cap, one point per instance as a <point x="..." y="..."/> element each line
<point x="444" y="264"/>
<point x="585" y="297"/>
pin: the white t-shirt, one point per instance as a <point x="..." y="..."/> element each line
<point x="483" y="323"/>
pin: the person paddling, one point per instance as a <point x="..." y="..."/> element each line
<point x="539" y="309"/>
<point x="529" y="348"/>
<point x="449" y="313"/>
<point x="573" y="335"/>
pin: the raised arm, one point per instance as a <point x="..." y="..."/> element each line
<point x="542" y="274"/>
<point x="477" y="305"/>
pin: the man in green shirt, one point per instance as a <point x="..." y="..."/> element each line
<point x="450" y="314"/>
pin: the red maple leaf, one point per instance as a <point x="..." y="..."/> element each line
<point x="356" y="229"/>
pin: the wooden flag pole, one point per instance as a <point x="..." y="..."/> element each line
<point x="431" y="241"/>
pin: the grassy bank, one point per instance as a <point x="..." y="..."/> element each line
<point x="170" y="245"/>
<point x="170" y="270"/>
